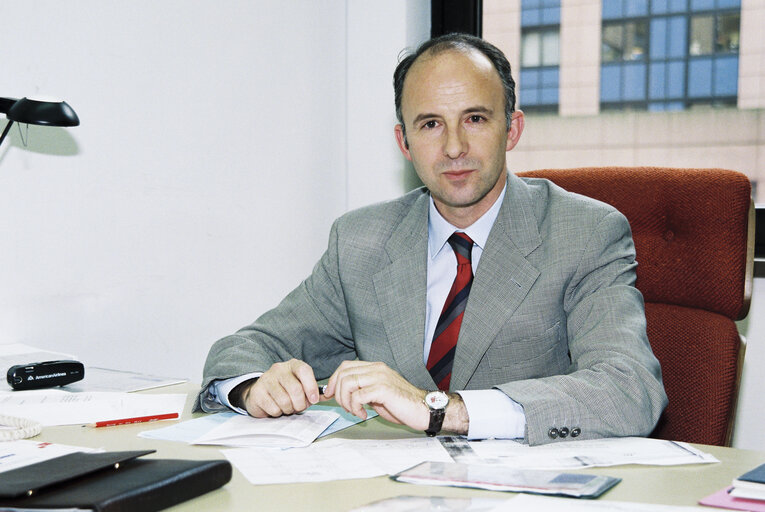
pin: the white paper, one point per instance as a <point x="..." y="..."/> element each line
<point x="12" y="354"/>
<point x="335" y="459"/>
<point x="282" y="432"/>
<point x="106" y="379"/>
<point x="51" y="407"/>
<point x="582" y="454"/>
<point x="532" y="503"/>
<point x="15" y="454"/>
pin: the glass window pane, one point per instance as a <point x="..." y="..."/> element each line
<point x="677" y="5"/>
<point x="728" y="4"/>
<point x="656" y="107"/>
<point x="551" y="16"/>
<point x="658" y="38"/>
<point x="634" y="82"/>
<point x="726" y="76"/>
<point x="657" y="81"/>
<point x="675" y="105"/>
<point x="529" y="79"/>
<point x="531" y="49"/>
<point x="702" y="5"/>
<point x="610" y="83"/>
<point x="612" y="43"/>
<point x="530" y="4"/>
<point x="549" y="78"/>
<point x="530" y="96"/>
<point x="676" y="79"/>
<point x="728" y="33"/>
<point x="550" y="47"/>
<point x="700" y="78"/>
<point x="612" y="9"/>
<point x="702" y="35"/>
<point x="549" y="96"/>
<point x="635" y="8"/>
<point x="677" y="36"/>
<point x="551" y="3"/>
<point x="635" y="40"/>
<point x="530" y="17"/>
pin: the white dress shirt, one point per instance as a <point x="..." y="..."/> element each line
<point x="492" y="414"/>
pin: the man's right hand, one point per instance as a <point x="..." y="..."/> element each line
<point x="286" y="388"/>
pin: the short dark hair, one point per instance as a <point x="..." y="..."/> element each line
<point x="459" y="42"/>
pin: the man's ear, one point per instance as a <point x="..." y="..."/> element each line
<point x="516" y="129"/>
<point x="401" y="140"/>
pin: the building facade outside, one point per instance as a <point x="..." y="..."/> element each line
<point x="677" y="83"/>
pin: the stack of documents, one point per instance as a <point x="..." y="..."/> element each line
<point x="746" y="493"/>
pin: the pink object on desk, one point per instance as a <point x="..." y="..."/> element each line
<point x="723" y="499"/>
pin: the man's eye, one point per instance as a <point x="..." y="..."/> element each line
<point x="476" y="118"/>
<point x="430" y="124"/>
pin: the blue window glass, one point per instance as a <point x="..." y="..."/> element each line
<point x="610" y="83"/>
<point x="530" y="97"/>
<point x="530" y="3"/>
<point x="530" y="79"/>
<point x="634" y="82"/>
<point x="550" y="16"/>
<point x="675" y="105"/>
<point x="678" y="38"/>
<point x="612" y="9"/>
<point x="635" y="7"/>
<point x="700" y="78"/>
<point x="550" y="77"/>
<point x="659" y="7"/>
<point x="550" y="3"/>
<point x="726" y="76"/>
<point x="657" y="81"/>
<point x="549" y="96"/>
<point x="702" y="5"/>
<point x="676" y="79"/>
<point x="728" y="4"/>
<point x="656" y="107"/>
<point x="530" y="17"/>
<point x="676" y="5"/>
<point x="658" y="38"/>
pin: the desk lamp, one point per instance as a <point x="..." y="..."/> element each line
<point x="40" y="112"/>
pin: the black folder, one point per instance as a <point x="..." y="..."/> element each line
<point x="111" y="482"/>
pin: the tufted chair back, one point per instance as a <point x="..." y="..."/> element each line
<point x="694" y="238"/>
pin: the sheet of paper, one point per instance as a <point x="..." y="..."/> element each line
<point x="723" y="499"/>
<point x="282" y="432"/>
<point x="432" y="503"/>
<point x="52" y="407"/>
<point x="15" y="454"/>
<point x="334" y="459"/>
<point x="532" y="503"/>
<point x="106" y="379"/>
<point x="577" y="454"/>
<point x="188" y="431"/>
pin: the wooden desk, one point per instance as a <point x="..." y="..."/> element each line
<point x="674" y="485"/>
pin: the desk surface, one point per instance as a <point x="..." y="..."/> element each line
<point x="675" y="485"/>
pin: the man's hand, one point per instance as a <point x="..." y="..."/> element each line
<point x="286" y="388"/>
<point x="358" y="383"/>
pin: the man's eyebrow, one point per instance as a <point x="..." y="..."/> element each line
<point x="472" y="110"/>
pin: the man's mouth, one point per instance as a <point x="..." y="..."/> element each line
<point x="459" y="174"/>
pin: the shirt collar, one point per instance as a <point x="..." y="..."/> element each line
<point x="439" y="229"/>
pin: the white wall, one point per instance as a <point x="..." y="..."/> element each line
<point x="199" y="189"/>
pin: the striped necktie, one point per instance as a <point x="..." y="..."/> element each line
<point x="444" y="344"/>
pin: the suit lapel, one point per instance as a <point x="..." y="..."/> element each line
<point x="503" y="279"/>
<point x="401" y="288"/>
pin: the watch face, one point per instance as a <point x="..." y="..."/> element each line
<point x="436" y="399"/>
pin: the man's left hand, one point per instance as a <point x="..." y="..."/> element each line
<point x="358" y="383"/>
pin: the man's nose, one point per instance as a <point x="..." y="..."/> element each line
<point x="456" y="144"/>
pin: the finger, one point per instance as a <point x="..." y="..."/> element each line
<point x="260" y="404"/>
<point x="349" y="384"/>
<point x="341" y="370"/>
<point x="307" y="380"/>
<point x="357" y="399"/>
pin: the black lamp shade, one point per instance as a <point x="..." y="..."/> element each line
<point x="45" y="113"/>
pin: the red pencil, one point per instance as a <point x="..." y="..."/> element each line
<point x="140" y="419"/>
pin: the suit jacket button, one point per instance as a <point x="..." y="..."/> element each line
<point x="552" y="433"/>
<point x="576" y="431"/>
<point x="563" y="432"/>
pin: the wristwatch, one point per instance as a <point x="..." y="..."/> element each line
<point x="436" y="402"/>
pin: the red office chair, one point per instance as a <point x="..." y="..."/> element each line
<point x="694" y="237"/>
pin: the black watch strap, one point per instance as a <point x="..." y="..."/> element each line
<point x="436" y="421"/>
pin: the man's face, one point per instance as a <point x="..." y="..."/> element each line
<point x="453" y="107"/>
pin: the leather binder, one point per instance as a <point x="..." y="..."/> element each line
<point x="111" y="482"/>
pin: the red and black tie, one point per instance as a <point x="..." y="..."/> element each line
<point x="444" y="344"/>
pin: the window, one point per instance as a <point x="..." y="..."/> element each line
<point x="540" y="49"/>
<point x="669" y="54"/>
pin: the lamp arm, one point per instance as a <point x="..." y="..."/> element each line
<point x="5" y="131"/>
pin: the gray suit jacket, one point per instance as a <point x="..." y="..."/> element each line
<point x="553" y="319"/>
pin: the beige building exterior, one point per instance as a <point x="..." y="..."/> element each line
<point x="580" y="135"/>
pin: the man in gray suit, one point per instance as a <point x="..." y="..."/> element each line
<point x="536" y="331"/>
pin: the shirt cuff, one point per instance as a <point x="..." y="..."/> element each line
<point x="219" y="390"/>
<point x="493" y="414"/>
